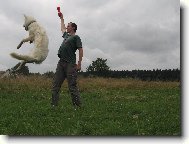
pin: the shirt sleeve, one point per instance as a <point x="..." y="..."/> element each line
<point x="65" y="34"/>
<point x="78" y="42"/>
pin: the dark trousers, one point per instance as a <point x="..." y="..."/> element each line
<point x="65" y="70"/>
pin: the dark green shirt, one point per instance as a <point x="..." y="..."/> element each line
<point x="68" y="47"/>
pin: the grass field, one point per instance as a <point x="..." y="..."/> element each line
<point x="111" y="107"/>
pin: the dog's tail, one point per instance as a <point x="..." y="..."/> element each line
<point x="23" y="57"/>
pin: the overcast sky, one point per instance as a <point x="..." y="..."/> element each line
<point x="131" y="34"/>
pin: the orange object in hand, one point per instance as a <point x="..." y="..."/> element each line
<point x="59" y="13"/>
<point x="58" y="8"/>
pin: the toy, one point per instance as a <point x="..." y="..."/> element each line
<point x="59" y="13"/>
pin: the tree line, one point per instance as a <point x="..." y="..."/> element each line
<point x="145" y="75"/>
<point x="99" y="68"/>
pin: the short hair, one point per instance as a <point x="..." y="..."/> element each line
<point x="74" y="25"/>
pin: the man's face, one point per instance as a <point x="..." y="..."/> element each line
<point x="69" y="28"/>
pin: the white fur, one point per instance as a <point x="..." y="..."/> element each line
<point x="38" y="36"/>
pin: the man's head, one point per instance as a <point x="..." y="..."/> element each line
<point x="71" y="27"/>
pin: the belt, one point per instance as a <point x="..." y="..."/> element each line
<point x="63" y="60"/>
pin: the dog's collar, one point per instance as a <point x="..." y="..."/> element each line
<point x="29" y="24"/>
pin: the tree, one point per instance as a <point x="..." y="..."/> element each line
<point x="99" y="65"/>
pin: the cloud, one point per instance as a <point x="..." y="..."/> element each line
<point x="139" y="34"/>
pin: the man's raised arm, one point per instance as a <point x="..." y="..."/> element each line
<point x="63" y="27"/>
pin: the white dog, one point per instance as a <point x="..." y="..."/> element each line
<point x="38" y="36"/>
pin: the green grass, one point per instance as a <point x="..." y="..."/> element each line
<point x="111" y="107"/>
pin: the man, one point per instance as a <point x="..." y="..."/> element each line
<point x="67" y="67"/>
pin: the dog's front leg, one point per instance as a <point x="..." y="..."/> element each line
<point x="23" y="41"/>
<point x="20" y="44"/>
<point x="30" y="38"/>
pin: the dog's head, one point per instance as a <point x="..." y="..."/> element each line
<point x="28" y="21"/>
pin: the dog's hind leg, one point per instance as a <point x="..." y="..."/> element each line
<point x="20" y="66"/>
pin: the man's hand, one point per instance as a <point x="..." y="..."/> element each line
<point x="60" y="15"/>
<point x="78" y="66"/>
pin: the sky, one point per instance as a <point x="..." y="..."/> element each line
<point x="130" y="34"/>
